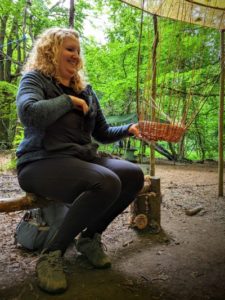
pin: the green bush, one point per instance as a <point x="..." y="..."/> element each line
<point x="8" y="116"/>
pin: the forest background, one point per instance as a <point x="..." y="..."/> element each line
<point x="111" y="66"/>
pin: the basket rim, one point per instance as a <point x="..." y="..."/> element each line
<point x="158" y="131"/>
<point x="170" y="125"/>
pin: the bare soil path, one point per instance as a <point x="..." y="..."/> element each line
<point x="185" y="261"/>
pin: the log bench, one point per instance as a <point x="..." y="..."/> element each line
<point x="144" y="211"/>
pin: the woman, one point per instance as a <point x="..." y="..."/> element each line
<point x="58" y="158"/>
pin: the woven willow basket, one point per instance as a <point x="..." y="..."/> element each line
<point x="155" y="131"/>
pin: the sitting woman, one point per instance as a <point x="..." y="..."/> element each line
<point x="58" y="158"/>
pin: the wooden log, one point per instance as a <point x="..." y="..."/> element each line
<point x="22" y="203"/>
<point x="145" y="209"/>
<point x="155" y="202"/>
<point x="138" y="206"/>
<point x="138" y="212"/>
<point x="141" y="221"/>
<point x="147" y="185"/>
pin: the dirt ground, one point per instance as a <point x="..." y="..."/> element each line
<point x="186" y="260"/>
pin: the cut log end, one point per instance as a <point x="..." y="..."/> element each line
<point x="140" y="221"/>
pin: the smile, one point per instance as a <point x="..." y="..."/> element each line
<point x="73" y="62"/>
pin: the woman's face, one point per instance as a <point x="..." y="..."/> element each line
<point x="69" y="59"/>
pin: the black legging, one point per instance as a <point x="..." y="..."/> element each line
<point x="98" y="191"/>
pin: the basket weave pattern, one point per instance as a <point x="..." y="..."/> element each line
<point x="155" y="131"/>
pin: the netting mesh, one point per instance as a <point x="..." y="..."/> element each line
<point x="210" y="13"/>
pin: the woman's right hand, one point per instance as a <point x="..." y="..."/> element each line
<point x="80" y="104"/>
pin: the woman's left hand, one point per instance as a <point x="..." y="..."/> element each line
<point x="134" y="129"/>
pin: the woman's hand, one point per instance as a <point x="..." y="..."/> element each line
<point x="134" y="129"/>
<point x="80" y="104"/>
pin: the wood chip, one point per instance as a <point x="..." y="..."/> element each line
<point x="193" y="211"/>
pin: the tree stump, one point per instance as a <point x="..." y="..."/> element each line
<point x="145" y="209"/>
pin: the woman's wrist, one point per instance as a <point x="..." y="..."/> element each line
<point x="79" y="104"/>
<point x="134" y="129"/>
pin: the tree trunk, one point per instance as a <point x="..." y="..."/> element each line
<point x="3" y="23"/>
<point x="19" y="55"/>
<point x="71" y="14"/>
<point x="173" y="151"/>
<point x="9" y="51"/>
<point x="25" y="13"/>
<point x="181" y="154"/>
<point x="199" y="140"/>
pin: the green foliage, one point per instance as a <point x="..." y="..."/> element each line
<point x="19" y="135"/>
<point x="8" y="116"/>
<point x="187" y="68"/>
<point x="111" y="67"/>
<point x="21" y="21"/>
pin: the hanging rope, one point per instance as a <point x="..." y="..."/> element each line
<point x="13" y="42"/>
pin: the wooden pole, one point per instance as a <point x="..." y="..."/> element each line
<point x="221" y="115"/>
<point x="153" y="91"/>
<point x="138" y="66"/>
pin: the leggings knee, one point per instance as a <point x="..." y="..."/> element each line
<point x="109" y="185"/>
<point x="133" y="179"/>
<point x="139" y="179"/>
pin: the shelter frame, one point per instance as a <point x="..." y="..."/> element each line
<point x="204" y="13"/>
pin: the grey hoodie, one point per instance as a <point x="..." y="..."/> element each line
<point x="42" y="104"/>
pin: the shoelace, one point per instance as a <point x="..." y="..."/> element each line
<point x="54" y="261"/>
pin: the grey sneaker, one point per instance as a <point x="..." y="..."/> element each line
<point x="93" y="250"/>
<point x="50" y="274"/>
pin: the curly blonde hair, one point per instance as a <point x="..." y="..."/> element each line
<point x="43" y="56"/>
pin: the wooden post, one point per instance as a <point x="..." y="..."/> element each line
<point x="153" y="91"/>
<point x="155" y="202"/>
<point x="221" y="115"/>
<point x="138" y="66"/>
